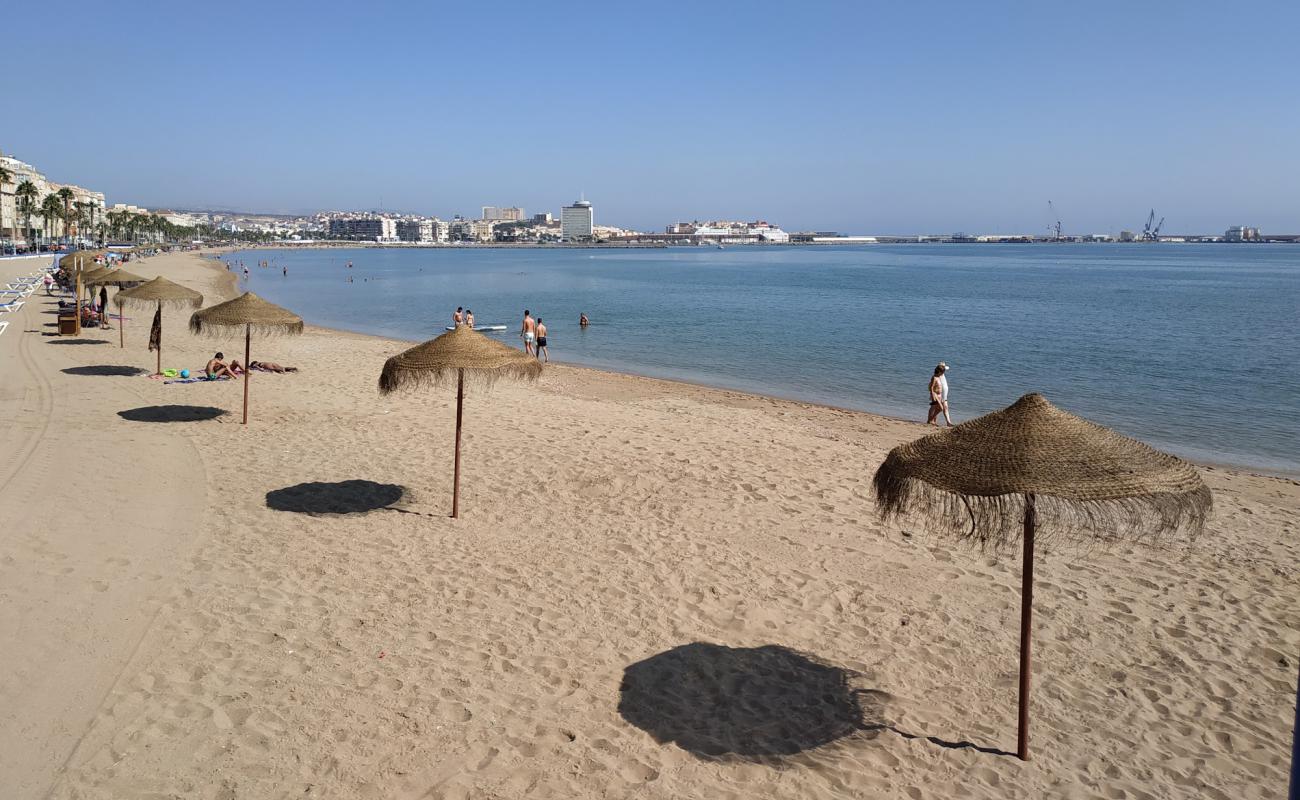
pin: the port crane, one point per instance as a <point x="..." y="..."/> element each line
<point x="1056" y="228"/>
<point x="1150" y="234"/>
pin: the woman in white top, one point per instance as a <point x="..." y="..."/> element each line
<point x="939" y="396"/>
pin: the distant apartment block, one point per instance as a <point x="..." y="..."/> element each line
<point x="577" y="222"/>
<point x="545" y="218"/>
<point x="366" y="229"/>
<point x="1240" y="233"/>
<point x="417" y="230"/>
<point x="497" y="214"/>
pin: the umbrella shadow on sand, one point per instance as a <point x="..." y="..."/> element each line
<point x="172" y="413"/>
<point x="105" y="370"/>
<point x="342" y="497"/>
<point x="766" y="704"/>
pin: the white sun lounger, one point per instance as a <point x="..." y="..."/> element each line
<point x="12" y="305"/>
<point x="3" y="325"/>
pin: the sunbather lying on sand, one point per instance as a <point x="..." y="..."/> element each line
<point x="269" y="366"/>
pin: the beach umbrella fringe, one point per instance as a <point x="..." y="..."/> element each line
<point x="994" y="523"/>
<point x="397" y="376"/>
<point x="262" y="330"/>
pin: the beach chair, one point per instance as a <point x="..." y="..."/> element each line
<point x="3" y="325"/>
<point x="12" y="305"/>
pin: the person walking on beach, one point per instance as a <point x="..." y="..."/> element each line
<point x="939" y="395"/>
<point x="458" y="318"/>
<point x="529" y="332"/>
<point x="103" y="306"/>
<point x="542" y="352"/>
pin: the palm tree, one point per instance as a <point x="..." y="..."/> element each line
<point x="6" y="175"/>
<point x="25" y="195"/>
<point x="82" y="215"/>
<point x="51" y="210"/>
<point x="65" y="194"/>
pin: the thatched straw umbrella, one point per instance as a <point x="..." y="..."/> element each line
<point x="248" y="313"/>
<point x="1031" y="464"/>
<point x="159" y="292"/>
<point x="74" y="266"/>
<point x="121" y="279"/>
<point x="450" y="356"/>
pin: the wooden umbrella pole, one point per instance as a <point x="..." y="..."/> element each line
<point x="159" y="372"/>
<point x="1026" y="622"/>
<point x="248" y="335"/>
<point x="455" y="481"/>
<point x="121" y="321"/>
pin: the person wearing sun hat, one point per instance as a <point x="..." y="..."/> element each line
<point x="939" y="395"/>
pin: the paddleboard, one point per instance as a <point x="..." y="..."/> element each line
<point x="482" y="328"/>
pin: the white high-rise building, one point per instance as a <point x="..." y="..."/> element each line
<point x="577" y="221"/>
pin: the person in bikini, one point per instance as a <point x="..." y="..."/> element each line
<point x="269" y="366"/>
<point x="469" y="318"/>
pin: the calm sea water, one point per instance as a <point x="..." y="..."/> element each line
<point x="1193" y="348"/>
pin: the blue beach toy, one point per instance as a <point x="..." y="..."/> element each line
<point x="185" y="373"/>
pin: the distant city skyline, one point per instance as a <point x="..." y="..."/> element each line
<point x="861" y="119"/>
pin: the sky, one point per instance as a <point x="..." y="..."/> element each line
<point x="859" y="117"/>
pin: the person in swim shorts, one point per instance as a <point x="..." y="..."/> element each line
<point x="529" y="333"/>
<point x="542" y="352"/>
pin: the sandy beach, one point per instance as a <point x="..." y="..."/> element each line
<point x="655" y="590"/>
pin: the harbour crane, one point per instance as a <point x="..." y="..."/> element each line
<point x="1055" y="229"/>
<point x="1149" y="233"/>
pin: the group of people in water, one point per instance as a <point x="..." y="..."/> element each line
<point x="532" y="330"/>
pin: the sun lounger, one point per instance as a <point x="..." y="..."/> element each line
<point x="3" y="325"/>
<point x="12" y="305"/>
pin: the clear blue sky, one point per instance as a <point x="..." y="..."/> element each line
<point x="860" y="117"/>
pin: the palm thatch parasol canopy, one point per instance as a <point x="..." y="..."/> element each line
<point x="451" y="356"/>
<point x="445" y="358"/>
<point x="114" y="277"/>
<point x="248" y="311"/>
<point x="992" y="478"/>
<point x="82" y="258"/>
<point x="972" y="478"/>
<point x="88" y="275"/>
<point x="250" y="314"/>
<point x="162" y="291"/>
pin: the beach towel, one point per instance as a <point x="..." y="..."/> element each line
<point x="155" y="332"/>
<point x="196" y="379"/>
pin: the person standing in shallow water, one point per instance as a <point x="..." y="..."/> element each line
<point x="529" y="332"/>
<point x="939" y="396"/>
<point x="458" y="318"/>
<point x="542" y="352"/>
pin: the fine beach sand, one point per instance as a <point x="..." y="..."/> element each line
<point x="655" y="590"/>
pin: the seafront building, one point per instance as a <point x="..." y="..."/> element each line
<point x="577" y="222"/>
<point x="1241" y="233"/>
<point x="14" y="225"/>
<point x="364" y="229"/>
<point x="714" y="232"/>
<point x="497" y="214"/>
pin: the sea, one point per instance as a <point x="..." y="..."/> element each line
<point x="1193" y="348"/>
